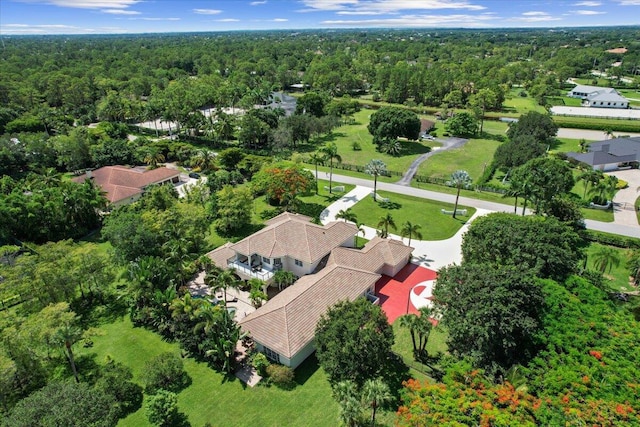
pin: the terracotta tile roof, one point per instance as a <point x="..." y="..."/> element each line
<point x="220" y="255"/>
<point x="121" y="182"/>
<point x="426" y="125"/>
<point x="375" y="254"/>
<point x="297" y="238"/>
<point x="287" y="323"/>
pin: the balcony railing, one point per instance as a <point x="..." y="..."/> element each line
<point x="262" y="272"/>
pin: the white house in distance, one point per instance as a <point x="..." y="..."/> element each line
<point x="330" y="270"/>
<point x="600" y="97"/>
<point x="123" y="185"/>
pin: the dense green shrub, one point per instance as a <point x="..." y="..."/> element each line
<point x="165" y="371"/>
<point x="260" y="363"/>
<point x="281" y="376"/>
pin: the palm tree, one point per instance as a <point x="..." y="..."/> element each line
<point x="633" y="264"/>
<point x="152" y="156"/>
<point x="224" y="280"/>
<point x="410" y="321"/>
<point x="67" y="335"/>
<point x="411" y="230"/>
<point x="590" y="176"/>
<point x="375" y="392"/>
<point x="376" y="168"/>
<point x="284" y="278"/>
<point x="205" y="160"/>
<point x="347" y="215"/>
<point x="208" y="317"/>
<point x="330" y="151"/>
<point x="185" y="307"/>
<point x="346" y="394"/>
<point x="257" y="295"/>
<point x="384" y="223"/>
<point x="605" y="258"/>
<point x="605" y="189"/>
<point x="459" y="179"/>
<point x="316" y="158"/>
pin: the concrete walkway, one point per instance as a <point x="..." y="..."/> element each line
<point x="433" y="254"/>
<point x="447" y="144"/>
<point x="624" y="211"/>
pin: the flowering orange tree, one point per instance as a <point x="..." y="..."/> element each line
<point x="282" y="182"/>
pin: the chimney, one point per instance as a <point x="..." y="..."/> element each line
<point x="605" y="148"/>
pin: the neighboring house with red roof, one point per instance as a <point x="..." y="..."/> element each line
<point x="330" y="271"/>
<point x="124" y="185"/>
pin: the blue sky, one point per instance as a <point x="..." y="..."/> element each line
<point x="139" y="16"/>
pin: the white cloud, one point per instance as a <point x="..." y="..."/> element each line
<point x="44" y="29"/>
<point x="87" y="4"/>
<point x="456" y="20"/>
<point x="360" y="12"/>
<point x="280" y="20"/>
<point x="257" y="3"/>
<point x="629" y="2"/>
<point x="588" y="12"/>
<point x="207" y="11"/>
<point x="376" y="7"/>
<point x="158" y="19"/>
<point x="535" y="16"/>
<point x="227" y="20"/>
<point x="120" y="12"/>
<point x="588" y="3"/>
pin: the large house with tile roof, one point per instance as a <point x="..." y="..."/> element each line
<point x="123" y="185"/>
<point x="331" y="270"/>
<point x="600" y="97"/>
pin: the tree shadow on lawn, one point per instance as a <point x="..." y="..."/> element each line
<point x="394" y="374"/>
<point x="411" y="148"/>
<point x="306" y="369"/>
<point x="315" y="143"/>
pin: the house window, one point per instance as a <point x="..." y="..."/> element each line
<point x="266" y="260"/>
<point x="298" y="262"/>
<point x="277" y="261"/>
<point x="271" y="355"/>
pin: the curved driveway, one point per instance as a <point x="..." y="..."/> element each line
<point x="447" y="144"/>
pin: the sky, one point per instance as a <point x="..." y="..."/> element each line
<point x="158" y="16"/>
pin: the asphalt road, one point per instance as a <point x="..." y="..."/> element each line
<point x="609" y="227"/>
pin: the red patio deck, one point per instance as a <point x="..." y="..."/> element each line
<point x="394" y="291"/>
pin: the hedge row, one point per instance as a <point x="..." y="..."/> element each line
<point x="612" y="239"/>
<point x="597" y="124"/>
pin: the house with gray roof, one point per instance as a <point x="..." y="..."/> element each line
<point x="332" y="270"/>
<point x="600" y="97"/>
<point x="611" y="154"/>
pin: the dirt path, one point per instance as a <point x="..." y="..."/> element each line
<point x="447" y="144"/>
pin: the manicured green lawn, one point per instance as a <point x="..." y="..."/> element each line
<point x="434" y="225"/>
<point x="618" y="277"/>
<point x="346" y="135"/>
<point x="514" y="103"/>
<point x="566" y="145"/>
<point x="472" y="157"/>
<point x="217" y="399"/>
<point x="403" y="346"/>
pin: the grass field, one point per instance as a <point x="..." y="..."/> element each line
<point x="618" y="277"/>
<point x="472" y="157"/>
<point x="426" y="213"/>
<point x="346" y="135"/>
<point x="215" y="398"/>
<point x="516" y="104"/>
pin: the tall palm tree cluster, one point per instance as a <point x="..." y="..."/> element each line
<point x="353" y="401"/>
<point x="204" y="329"/>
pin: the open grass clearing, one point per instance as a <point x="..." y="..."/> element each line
<point x="473" y="157"/>
<point x="618" y="277"/>
<point x="213" y="397"/>
<point x="346" y="135"/>
<point x="434" y="224"/>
